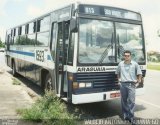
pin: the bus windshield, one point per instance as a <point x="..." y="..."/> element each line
<point x="129" y="37"/>
<point x="95" y="36"/>
<point x="97" y="45"/>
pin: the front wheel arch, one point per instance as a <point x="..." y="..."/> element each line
<point x="45" y="75"/>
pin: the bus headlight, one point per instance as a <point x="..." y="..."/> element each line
<point x="82" y="85"/>
<point x="88" y="85"/>
<point x="85" y="85"/>
<point x="75" y="85"/>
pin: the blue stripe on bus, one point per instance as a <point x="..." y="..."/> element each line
<point x="23" y="53"/>
<point x="28" y="54"/>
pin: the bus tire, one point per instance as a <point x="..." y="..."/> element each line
<point x="14" y="72"/>
<point x="48" y="83"/>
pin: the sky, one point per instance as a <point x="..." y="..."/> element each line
<point x="15" y="12"/>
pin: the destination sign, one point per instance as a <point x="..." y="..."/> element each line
<point x="109" y="11"/>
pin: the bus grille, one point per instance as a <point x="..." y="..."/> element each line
<point x="108" y="80"/>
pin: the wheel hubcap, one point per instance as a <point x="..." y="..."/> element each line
<point x="49" y="84"/>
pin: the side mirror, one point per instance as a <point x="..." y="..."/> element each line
<point x="73" y="25"/>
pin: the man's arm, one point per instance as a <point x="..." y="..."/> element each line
<point x="118" y="73"/>
<point x="139" y="74"/>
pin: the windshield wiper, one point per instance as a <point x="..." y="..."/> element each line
<point x="105" y="53"/>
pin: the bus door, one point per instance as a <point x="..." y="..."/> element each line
<point x="61" y="58"/>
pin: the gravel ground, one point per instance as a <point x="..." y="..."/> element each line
<point x="13" y="97"/>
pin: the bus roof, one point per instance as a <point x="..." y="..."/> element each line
<point x="93" y="9"/>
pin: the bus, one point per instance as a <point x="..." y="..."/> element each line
<point x="74" y="51"/>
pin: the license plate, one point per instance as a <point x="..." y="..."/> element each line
<point x="115" y="95"/>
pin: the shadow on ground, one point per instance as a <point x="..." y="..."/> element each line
<point x="99" y="110"/>
<point x="28" y="83"/>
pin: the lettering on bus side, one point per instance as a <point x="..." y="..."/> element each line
<point x="40" y="55"/>
<point x="95" y="69"/>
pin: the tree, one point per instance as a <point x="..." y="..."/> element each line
<point x="153" y="56"/>
<point x="1" y="43"/>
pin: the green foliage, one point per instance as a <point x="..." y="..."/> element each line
<point x="49" y="110"/>
<point x="1" y="44"/>
<point x="153" y="56"/>
<point x="155" y="66"/>
<point x="22" y="40"/>
<point x="16" y="81"/>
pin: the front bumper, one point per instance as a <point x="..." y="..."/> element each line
<point x="98" y="97"/>
<point x="93" y="97"/>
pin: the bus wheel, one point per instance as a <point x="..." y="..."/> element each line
<point x="14" y="73"/>
<point x="48" y="83"/>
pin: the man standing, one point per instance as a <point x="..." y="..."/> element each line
<point x="129" y="76"/>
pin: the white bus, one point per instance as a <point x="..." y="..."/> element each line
<point x="74" y="51"/>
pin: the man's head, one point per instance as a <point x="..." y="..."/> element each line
<point x="127" y="55"/>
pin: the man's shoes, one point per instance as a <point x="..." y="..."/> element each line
<point x="126" y="118"/>
<point x="131" y="120"/>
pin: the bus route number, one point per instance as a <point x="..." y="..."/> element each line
<point x="40" y="55"/>
<point x="89" y="10"/>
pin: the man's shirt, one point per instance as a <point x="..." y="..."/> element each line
<point x="128" y="72"/>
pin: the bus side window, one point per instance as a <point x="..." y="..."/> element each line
<point x="66" y="40"/>
<point x="14" y="34"/>
<point x="42" y="38"/>
<point x="16" y="37"/>
<point x="31" y="37"/>
<point x="26" y="28"/>
<point x="53" y="37"/>
<point x="43" y="31"/>
<point x="43" y="24"/>
<point x="22" y="39"/>
<point x="8" y="37"/>
<point x="11" y="39"/>
<point x="23" y="30"/>
<point x="71" y="49"/>
<point x="31" y="28"/>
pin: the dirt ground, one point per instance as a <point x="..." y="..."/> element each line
<point x="13" y="97"/>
